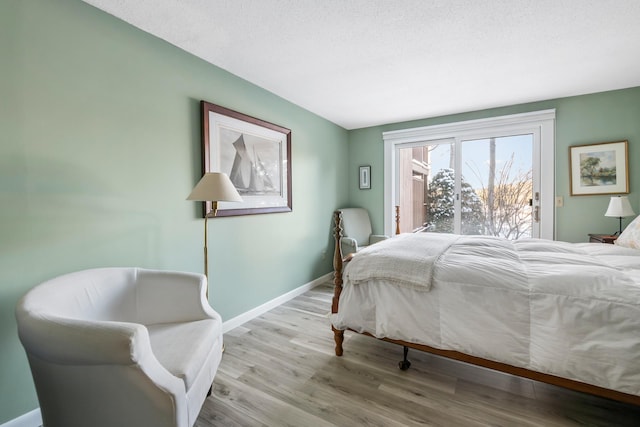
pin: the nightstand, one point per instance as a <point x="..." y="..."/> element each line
<point x="602" y="238"/>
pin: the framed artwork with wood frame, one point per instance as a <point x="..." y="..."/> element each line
<point x="597" y="169"/>
<point x="254" y="153"/>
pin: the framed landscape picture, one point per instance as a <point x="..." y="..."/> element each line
<point x="599" y="168"/>
<point x="255" y="154"/>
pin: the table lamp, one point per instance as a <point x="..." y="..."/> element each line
<point x="620" y="207"/>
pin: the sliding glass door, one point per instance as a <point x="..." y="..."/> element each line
<point x="482" y="186"/>
<point x="426" y="186"/>
<point x="479" y="176"/>
<point x="497" y="175"/>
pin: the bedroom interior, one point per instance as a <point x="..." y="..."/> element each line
<point x="101" y="145"/>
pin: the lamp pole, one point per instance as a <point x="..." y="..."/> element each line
<point x="213" y="187"/>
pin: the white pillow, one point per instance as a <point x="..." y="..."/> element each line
<point x="630" y="236"/>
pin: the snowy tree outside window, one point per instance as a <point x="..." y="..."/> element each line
<point x="440" y="205"/>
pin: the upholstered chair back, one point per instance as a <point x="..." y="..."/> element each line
<point x="356" y="230"/>
<point x="356" y="225"/>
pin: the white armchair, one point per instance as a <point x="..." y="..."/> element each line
<point x="356" y="230"/>
<point x="123" y="347"/>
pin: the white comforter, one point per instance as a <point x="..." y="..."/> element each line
<point x="571" y="310"/>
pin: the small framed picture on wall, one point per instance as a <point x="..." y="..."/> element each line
<point x="365" y="177"/>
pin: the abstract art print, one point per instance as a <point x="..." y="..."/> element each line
<point x="599" y="168"/>
<point x="254" y="153"/>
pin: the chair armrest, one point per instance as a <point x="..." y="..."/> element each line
<point x="169" y="297"/>
<point x="348" y="246"/>
<point x="375" y="238"/>
<point x="83" y="342"/>
<point x="116" y="352"/>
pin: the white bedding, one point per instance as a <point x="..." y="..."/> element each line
<point x="571" y="310"/>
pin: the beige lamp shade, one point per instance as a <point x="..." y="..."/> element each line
<point x="619" y="207"/>
<point x="215" y="187"/>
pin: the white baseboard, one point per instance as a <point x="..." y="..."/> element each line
<point x="30" y="419"/>
<point x="34" y="418"/>
<point x="261" y="309"/>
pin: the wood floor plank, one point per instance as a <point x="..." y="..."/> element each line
<point x="317" y="399"/>
<point x="261" y="407"/>
<point x="280" y="369"/>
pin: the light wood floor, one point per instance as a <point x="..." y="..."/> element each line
<point x="280" y="370"/>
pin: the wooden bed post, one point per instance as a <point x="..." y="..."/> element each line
<point x="338" y="265"/>
<point x="338" y="335"/>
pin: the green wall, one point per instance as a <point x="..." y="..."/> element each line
<point x="100" y="146"/>
<point x="601" y="117"/>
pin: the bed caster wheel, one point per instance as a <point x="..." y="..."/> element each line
<point x="404" y="365"/>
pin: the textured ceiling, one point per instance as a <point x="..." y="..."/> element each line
<point x="360" y="63"/>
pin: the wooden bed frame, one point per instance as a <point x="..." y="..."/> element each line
<point x="338" y="264"/>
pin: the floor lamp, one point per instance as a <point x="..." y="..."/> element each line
<point x="619" y="207"/>
<point x="213" y="187"/>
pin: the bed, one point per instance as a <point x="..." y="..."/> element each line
<point x="563" y="313"/>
